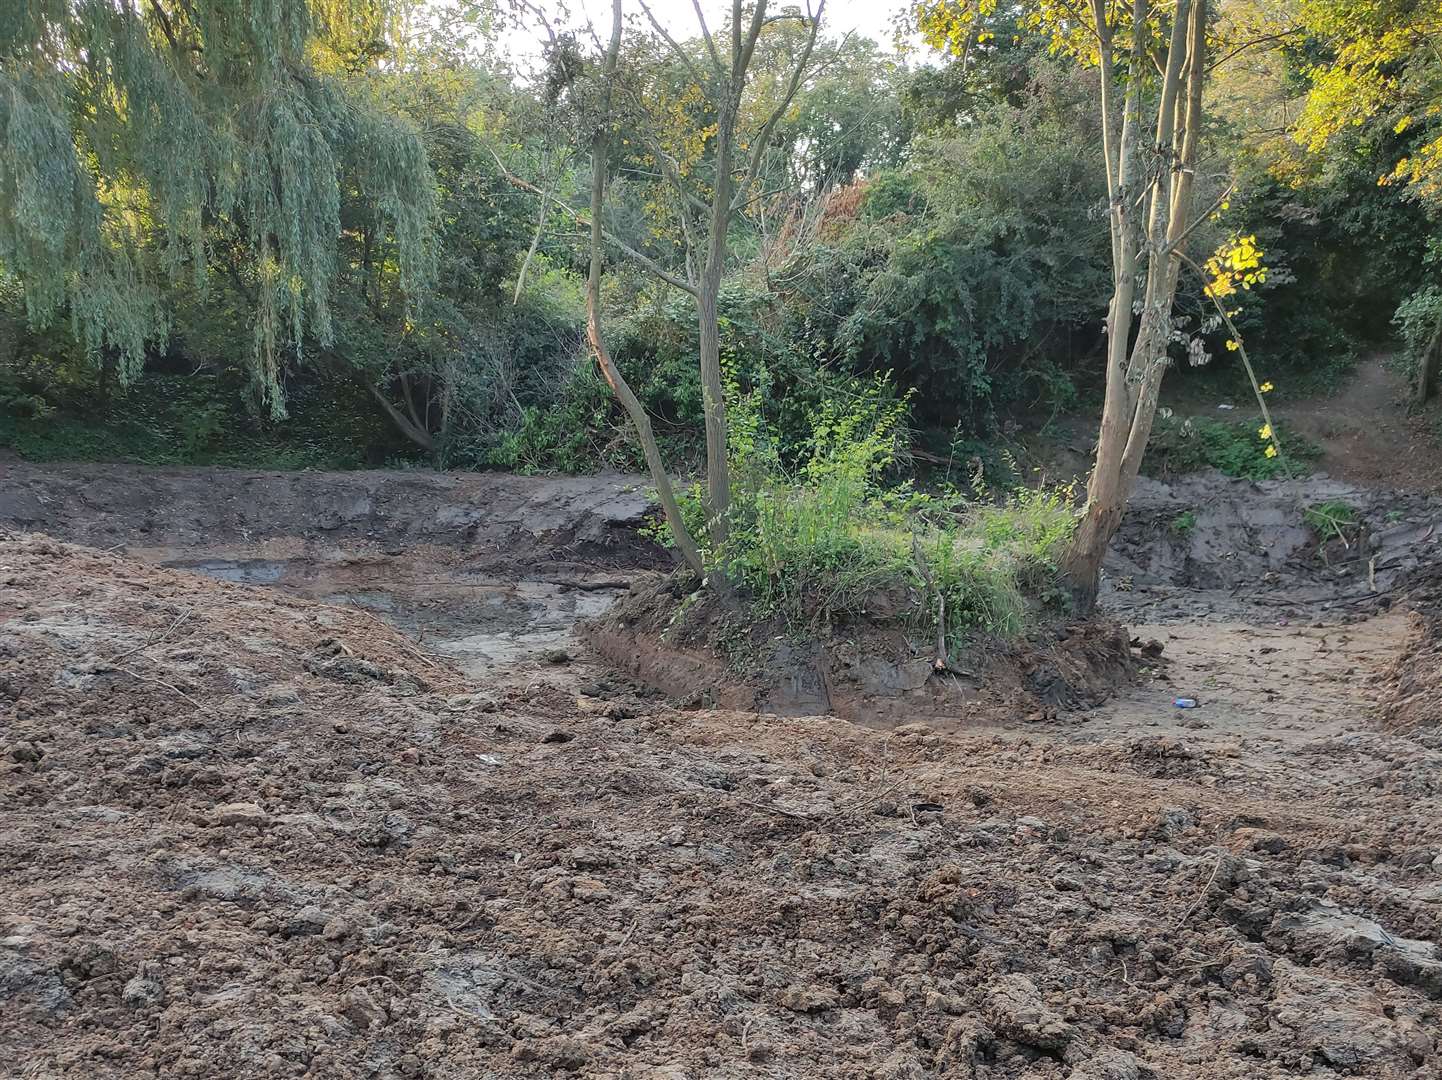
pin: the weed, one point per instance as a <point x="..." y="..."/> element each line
<point x="1184" y="523"/>
<point x="1332" y="518"/>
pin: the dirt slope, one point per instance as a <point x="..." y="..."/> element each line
<point x="498" y="521"/>
<point x="251" y="836"/>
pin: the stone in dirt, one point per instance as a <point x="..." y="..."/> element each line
<point x="1016" y="1011"/>
<point x="239" y="813"/>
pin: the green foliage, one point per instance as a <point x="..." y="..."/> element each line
<point x="1183" y="445"/>
<point x="1419" y="315"/>
<point x="1316" y="312"/>
<point x="975" y="272"/>
<point x="142" y="145"/>
<point x="200" y="419"/>
<point x="1184" y="523"/>
<point x="577" y="432"/>
<point x="1332" y="518"/>
<point x="829" y="540"/>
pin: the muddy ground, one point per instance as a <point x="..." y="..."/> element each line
<point x="254" y="829"/>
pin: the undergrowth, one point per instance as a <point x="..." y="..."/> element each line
<point x="1235" y="447"/>
<point x="827" y="538"/>
<point x="185" y="420"/>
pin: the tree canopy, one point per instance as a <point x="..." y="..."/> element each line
<point x="140" y="144"/>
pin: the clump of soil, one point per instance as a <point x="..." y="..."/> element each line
<point x="1413" y="683"/>
<point x="252" y="836"/>
<point x="705" y="649"/>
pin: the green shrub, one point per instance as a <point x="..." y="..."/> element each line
<point x="1184" y="523"/>
<point x="828" y="540"/>
<point x="201" y="419"/>
<point x="976" y="272"/>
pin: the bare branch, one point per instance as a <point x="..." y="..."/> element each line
<point x="1244" y="46"/>
<point x="1176" y="244"/>
<point x="541" y="18"/>
<point x="675" y="46"/>
<point x="710" y="41"/>
<point x="644" y="260"/>
<point x="763" y="137"/>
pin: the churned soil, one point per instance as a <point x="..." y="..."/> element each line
<point x="251" y="835"/>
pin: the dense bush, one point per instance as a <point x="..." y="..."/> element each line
<point x="1183" y="445"/>
<point x="1341" y="255"/>
<point x="977" y="273"/>
<point x="200" y="419"/>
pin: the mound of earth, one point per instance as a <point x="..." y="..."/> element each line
<point x="702" y="650"/>
<point x="253" y="836"/>
<point x="1413" y="682"/>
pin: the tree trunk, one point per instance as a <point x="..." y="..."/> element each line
<point x="1133" y="376"/>
<point x="1427" y="365"/>
<point x="713" y="390"/>
<point x="535" y="243"/>
<point x="634" y="409"/>
<point x="411" y="430"/>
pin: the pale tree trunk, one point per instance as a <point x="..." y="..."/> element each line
<point x="1427" y="364"/>
<point x="713" y="390"/>
<point x="408" y="426"/>
<point x="634" y="409"/>
<point x="1134" y="370"/>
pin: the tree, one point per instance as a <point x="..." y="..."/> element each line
<point x="1150" y="216"/>
<point x="712" y="191"/>
<point x="706" y="141"/>
<point x="1382" y="80"/>
<point x="600" y="151"/>
<point x="137" y="140"/>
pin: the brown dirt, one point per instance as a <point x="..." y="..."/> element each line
<point x="700" y="650"/>
<point x="1368" y="435"/>
<point x="254" y="835"/>
<point x="1414" y="681"/>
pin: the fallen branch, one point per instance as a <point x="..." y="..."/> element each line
<point x="172" y="688"/>
<point x="154" y="641"/>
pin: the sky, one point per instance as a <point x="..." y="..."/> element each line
<point x="866" y="18"/>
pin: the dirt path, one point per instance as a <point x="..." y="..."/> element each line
<point x="1367" y="435"/>
<point x="1270" y="686"/>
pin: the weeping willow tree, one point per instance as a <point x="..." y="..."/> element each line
<point x="138" y="139"/>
